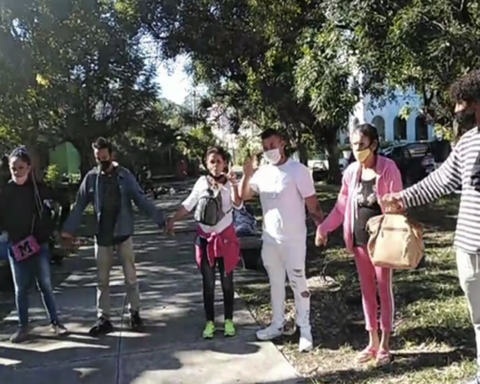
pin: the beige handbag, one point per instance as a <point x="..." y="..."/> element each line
<point x="395" y="241"/>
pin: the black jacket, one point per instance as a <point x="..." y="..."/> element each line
<point x="18" y="211"/>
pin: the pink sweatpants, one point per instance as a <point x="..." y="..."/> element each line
<point x="371" y="277"/>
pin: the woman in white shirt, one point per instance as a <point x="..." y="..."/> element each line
<point x="216" y="243"/>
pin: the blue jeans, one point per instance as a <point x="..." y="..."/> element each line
<point x="25" y="273"/>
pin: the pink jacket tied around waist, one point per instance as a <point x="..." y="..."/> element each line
<point x="345" y="210"/>
<point x="224" y="244"/>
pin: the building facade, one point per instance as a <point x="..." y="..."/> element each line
<point x="386" y="118"/>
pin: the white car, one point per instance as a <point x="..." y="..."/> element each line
<point x="320" y="163"/>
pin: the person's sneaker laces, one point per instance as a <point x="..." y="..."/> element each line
<point x="209" y="330"/>
<point x="271" y="332"/>
<point x="101" y="327"/>
<point x="305" y="343"/>
<point x="20" y="335"/>
<point x="59" y="329"/>
<point x="136" y="322"/>
<point x="229" y="328"/>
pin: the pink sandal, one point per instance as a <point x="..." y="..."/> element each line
<point x="383" y="357"/>
<point x="368" y="354"/>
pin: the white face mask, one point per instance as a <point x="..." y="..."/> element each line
<point x="272" y="156"/>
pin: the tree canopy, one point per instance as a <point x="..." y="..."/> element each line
<point x="75" y="69"/>
<point x="71" y="71"/>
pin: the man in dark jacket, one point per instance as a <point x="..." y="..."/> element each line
<point x="111" y="189"/>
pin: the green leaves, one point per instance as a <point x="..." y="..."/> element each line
<point x="72" y="70"/>
<point x="421" y="44"/>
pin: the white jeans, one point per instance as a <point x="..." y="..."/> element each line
<point x="282" y="260"/>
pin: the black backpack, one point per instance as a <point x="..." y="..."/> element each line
<point x="209" y="209"/>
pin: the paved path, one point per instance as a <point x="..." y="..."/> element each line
<point x="170" y="351"/>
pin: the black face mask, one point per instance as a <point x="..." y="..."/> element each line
<point x="104" y="164"/>
<point x="465" y="120"/>
<point x="221" y="179"/>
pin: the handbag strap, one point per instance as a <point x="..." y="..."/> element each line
<point x="38" y="205"/>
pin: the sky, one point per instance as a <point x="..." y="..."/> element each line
<point x="174" y="82"/>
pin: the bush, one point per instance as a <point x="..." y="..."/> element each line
<point x="52" y="175"/>
<point x="248" y="146"/>
<point x="74" y="178"/>
<point x="196" y="142"/>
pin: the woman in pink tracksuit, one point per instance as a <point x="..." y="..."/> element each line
<point x="364" y="183"/>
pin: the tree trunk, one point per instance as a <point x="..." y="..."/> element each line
<point x="36" y="163"/>
<point x="32" y="148"/>
<point x="333" y="152"/>
<point x="302" y="153"/>
<point x="84" y="150"/>
<point x="85" y="160"/>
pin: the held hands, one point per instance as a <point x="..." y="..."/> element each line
<point x="392" y="203"/>
<point x="67" y="239"/>
<point x="69" y="242"/>
<point x="321" y="239"/>
<point x="170" y="226"/>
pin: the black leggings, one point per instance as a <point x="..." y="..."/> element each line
<point x="208" y="276"/>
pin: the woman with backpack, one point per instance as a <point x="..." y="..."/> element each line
<point x="216" y="243"/>
<point x="25" y="218"/>
<point x="364" y="183"/>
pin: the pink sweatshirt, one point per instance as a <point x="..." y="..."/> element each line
<point x="345" y="210"/>
<point x="224" y="244"/>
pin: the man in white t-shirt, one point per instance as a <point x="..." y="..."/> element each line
<point x="284" y="186"/>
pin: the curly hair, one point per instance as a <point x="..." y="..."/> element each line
<point x="467" y="88"/>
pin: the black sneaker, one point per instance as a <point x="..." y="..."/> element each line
<point x="20" y="335"/>
<point x="101" y="327"/>
<point x="136" y="322"/>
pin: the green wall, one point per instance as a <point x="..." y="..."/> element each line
<point x="66" y="157"/>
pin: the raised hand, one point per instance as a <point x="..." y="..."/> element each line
<point x="232" y="177"/>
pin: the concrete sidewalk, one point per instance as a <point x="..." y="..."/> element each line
<point x="171" y="351"/>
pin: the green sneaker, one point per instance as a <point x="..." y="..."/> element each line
<point x="209" y="330"/>
<point x="229" y="328"/>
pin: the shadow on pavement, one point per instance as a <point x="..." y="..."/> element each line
<point x="170" y="350"/>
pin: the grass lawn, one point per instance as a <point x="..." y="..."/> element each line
<point x="433" y="341"/>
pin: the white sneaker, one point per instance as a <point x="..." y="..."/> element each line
<point x="305" y="343"/>
<point x="270" y="333"/>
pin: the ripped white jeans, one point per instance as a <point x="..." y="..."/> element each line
<point x="281" y="260"/>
